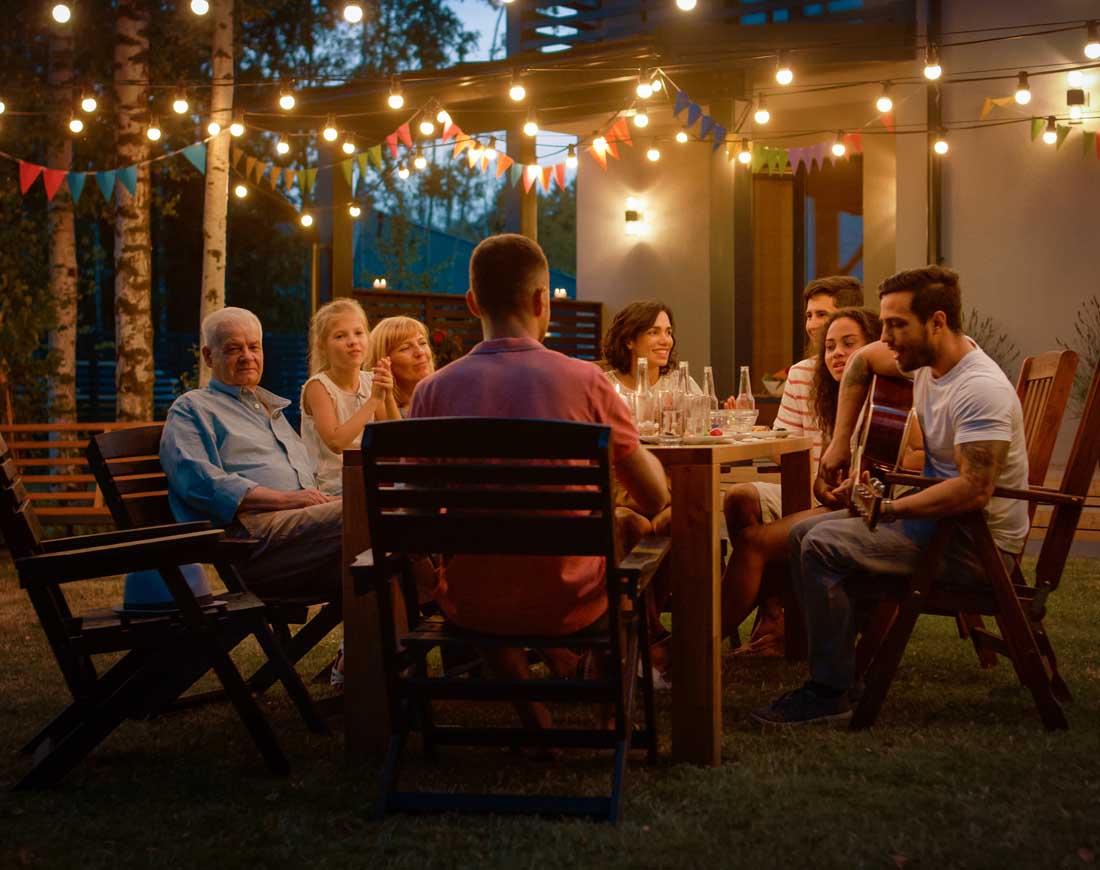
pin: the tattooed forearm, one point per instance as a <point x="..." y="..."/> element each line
<point x="980" y="461"/>
<point x="857" y="374"/>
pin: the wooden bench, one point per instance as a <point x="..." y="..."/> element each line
<point x="50" y="458"/>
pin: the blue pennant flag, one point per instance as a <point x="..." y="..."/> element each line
<point x="106" y="182"/>
<point x="127" y="177"/>
<point x="515" y="171"/>
<point x="719" y="137"/>
<point x="682" y="102"/>
<point x="197" y="155"/>
<point x="706" y="126"/>
<point x="76" y="184"/>
<point x="694" y="112"/>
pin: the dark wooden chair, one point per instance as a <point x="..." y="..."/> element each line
<point x="1017" y="607"/>
<point x="126" y="465"/>
<point x="164" y="653"/>
<point x="516" y="487"/>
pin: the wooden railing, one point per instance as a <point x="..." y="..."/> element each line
<point x="576" y="327"/>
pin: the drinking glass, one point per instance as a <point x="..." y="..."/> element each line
<point x="671" y="422"/>
<point x="698" y="415"/>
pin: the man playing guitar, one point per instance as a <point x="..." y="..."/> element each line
<point x="974" y="440"/>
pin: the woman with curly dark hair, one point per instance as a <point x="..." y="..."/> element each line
<point x="641" y="329"/>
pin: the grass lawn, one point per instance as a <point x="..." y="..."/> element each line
<point x="958" y="773"/>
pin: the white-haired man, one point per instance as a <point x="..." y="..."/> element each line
<point x="232" y="458"/>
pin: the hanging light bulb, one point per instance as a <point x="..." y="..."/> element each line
<point x="427" y="127"/>
<point x="443" y="118"/>
<point x="644" y="88"/>
<point x="152" y="132"/>
<point x="348" y="147"/>
<point x="420" y="161"/>
<point x="744" y="155"/>
<point x="476" y="150"/>
<point x="353" y="12"/>
<point x="681" y="137"/>
<point x="402" y="172"/>
<point x="1050" y="134"/>
<point x="61" y="13"/>
<point x="600" y="143"/>
<point x="1092" y="41"/>
<point x="354" y="210"/>
<point x="656" y="84"/>
<point x="884" y="103"/>
<point x="3" y="107"/>
<point x="571" y="157"/>
<point x="839" y="149"/>
<point x="236" y="129"/>
<point x="240" y="191"/>
<point x="685" y="5"/>
<point x="641" y="119"/>
<point x="213" y="128"/>
<point x="932" y="68"/>
<point x="282" y="147"/>
<point x="1075" y="78"/>
<point x="940" y="146"/>
<point x="491" y="151"/>
<point x="762" y="115"/>
<point x="287" y="100"/>
<point x="653" y="154"/>
<point x="88" y="102"/>
<point x="531" y="125"/>
<point x="180" y="104"/>
<point x="396" y="99"/>
<point x="200" y="7"/>
<point x="783" y="73"/>
<point x="1023" y="89"/>
<point x="306" y="220"/>
<point x="329" y="132"/>
<point x="76" y="125"/>
<point x="517" y="92"/>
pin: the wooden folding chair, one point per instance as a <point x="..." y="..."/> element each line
<point x="164" y="653"/>
<point x="126" y="465"/>
<point x="517" y="487"/>
<point x="1017" y="607"/>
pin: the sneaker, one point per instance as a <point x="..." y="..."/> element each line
<point x="336" y="675"/>
<point x="804" y="706"/>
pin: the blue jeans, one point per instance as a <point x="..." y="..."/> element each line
<point x="830" y="549"/>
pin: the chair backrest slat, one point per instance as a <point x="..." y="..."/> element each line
<point x="459" y="472"/>
<point x="18" y="521"/>
<point x="1044" y="388"/>
<point x="126" y="465"/>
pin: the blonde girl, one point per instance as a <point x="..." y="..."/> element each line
<point x="401" y="344"/>
<point x="340" y="398"/>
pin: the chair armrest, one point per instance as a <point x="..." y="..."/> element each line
<point x="640" y="564"/>
<point x="367" y="576"/>
<point x="106" y="561"/>
<point x="1036" y="494"/>
<point x="122" y="536"/>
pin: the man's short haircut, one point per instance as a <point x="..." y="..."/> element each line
<point x="846" y="291"/>
<point x="213" y="325"/>
<point x="934" y="288"/>
<point x="503" y="270"/>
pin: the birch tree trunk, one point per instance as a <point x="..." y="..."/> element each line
<point x="62" y="236"/>
<point x="216" y="199"/>
<point x="134" y="374"/>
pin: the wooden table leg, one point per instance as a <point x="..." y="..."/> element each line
<point x="795" y="482"/>
<point x="696" y="627"/>
<point x="366" y="712"/>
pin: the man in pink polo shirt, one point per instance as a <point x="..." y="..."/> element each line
<point x="511" y="374"/>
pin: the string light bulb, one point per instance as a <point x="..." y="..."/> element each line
<point x="306" y="220"/>
<point x="1050" y="134"/>
<point x="762" y="115"/>
<point x="88" y="102"/>
<point x="200" y="7"/>
<point x="644" y="88"/>
<point x="641" y="119"/>
<point x="940" y="146"/>
<point x="402" y="171"/>
<point x="240" y="191"/>
<point x="839" y="149"/>
<point x="213" y="128"/>
<point x="3" y="107"/>
<point x="1092" y="41"/>
<point x="476" y="150"/>
<point x="348" y="147"/>
<point x="443" y="118"/>
<point x="427" y="127"/>
<point x="282" y="147"/>
<point x="744" y="155"/>
<point x="152" y="132"/>
<point x="329" y="132"/>
<point x="656" y="84"/>
<point x="76" y="125"/>
<point x="61" y="13"/>
<point x="1075" y="78"/>
<point x="531" y="125"/>
<point x="783" y="72"/>
<point x="682" y="137"/>
<point x="517" y="92"/>
<point x="685" y="5"/>
<point x="354" y="210"/>
<point x="884" y="103"/>
<point x="491" y="151"/>
<point x="287" y="100"/>
<point x="420" y="161"/>
<point x="571" y="157"/>
<point x="353" y="12"/>
<point x="1023" y="90"/>
<point x="653" y="154"/>
<point x="932" y="68"/>
<point x="236" y="129"/>
<point x="396" y="99"/>
<point x="180" y="104"/>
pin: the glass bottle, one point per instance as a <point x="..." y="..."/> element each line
<point x="745" y="400"/>
<point x="644" y="409"/>
<point x="712" y="420"/>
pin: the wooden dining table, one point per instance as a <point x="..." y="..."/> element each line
<point x="696" y="562"/>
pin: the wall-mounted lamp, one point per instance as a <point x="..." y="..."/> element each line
<point x="379" y="283"/>
<point x="635" y="217"/>
<point x="561" y="293"/>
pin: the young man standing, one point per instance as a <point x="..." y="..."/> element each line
<point x="974" y="441"/>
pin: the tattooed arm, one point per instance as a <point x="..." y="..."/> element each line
<point x="978" y="462"/>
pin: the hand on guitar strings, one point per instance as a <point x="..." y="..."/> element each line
<point x="835" y="462"/>
<point x="836" y="497"/>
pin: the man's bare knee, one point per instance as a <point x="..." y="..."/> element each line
<point x="742" y="507"/>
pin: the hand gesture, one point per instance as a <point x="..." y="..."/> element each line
<point x="730" y="404"/>
<point x="381" y="379"/>
<point x="835" y="461"/>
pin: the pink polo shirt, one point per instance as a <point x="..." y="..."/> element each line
<point x="518" y="377"/>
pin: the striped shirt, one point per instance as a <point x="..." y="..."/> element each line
<point x="795" y="411"/>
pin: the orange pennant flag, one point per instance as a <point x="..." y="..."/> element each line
<point x="450" y="130"/>
<point x="622" y="132"/>
<point x="612" y="149"/>
<point x="484" y="162"/>
<point x="598" y="153"/>
<point x="503" y="162"/>
<point x="544" y="179"/>
<point x="273" y="178"/>
<point x="462" y="142"/>
<point x="404" y="135"/>
<point x="559" y="174"/>
<point x="471" y="158"/>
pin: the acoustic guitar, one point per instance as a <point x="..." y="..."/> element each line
<point x="888" y="421"/>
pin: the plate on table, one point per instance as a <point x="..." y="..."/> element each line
<point x="707" y="439"/>
<point x="765" y="435"/>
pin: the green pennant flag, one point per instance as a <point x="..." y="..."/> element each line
<point x="376" y="155"/>
<point x="1089" y="140"/>
<point x="1037" y="125"/>
<point x="777" y="160"/>
<point x="515" y="173"/>
<point x="76" y="185"/>
<point x="346" y="168"/>
<point x="1062" y="132"/>
<point x="310" y="177"/>
<point x="759" y="157"/>
<point x="361" y="159"/>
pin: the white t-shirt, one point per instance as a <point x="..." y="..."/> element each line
<point x="795" y="409"/>
<point x="974" y="401"/>
<point x="328" y="466"/>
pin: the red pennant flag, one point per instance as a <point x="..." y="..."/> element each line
<point x="621" y="131"/>
<point x="451" y="130"/>
<point x="51" y="180"/>
<point x="391" y="140"/>
<point x="612" y="149"/>
<point x="544" y="179"/>
<point x="503" y="162"/>
<point x="887" y="119"/>
<point x="28" y="172"/>
<point x="530" y="173"/>
<point x="854" y="142"/>
<point x="599" y="155"/>
<point x="404" y="135"/>
<point x="559" y="174"/>
<point x="484" y="162"/>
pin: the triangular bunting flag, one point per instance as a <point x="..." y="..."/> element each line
<point x="404" y="135"/>
<point x="290" y="176"/>
<point x="361" y="159"/>
<point x="249" y="165"/>
<point x="391" y="141"/>
<point x="1062" y="132"/>
<point x="706" y="126"/>
<point x="503" y="163"/>
<point x="854" y="143"/>
<point x="346" y="168"/>
<point x="273" y="177"/>
<point x="621" y="131"/>
<point x="76" y="184"/>
<point x="375" y="153"/>
<point x="719" y="137"/>
<point x="612" y="149"/>
<point x="530" y="173"/>
<point x="600" y="154"/>
<point x="515" y="172"/>
<point x="51" y="180"/>
<point x="559" y="174"/>
<point x="682" y="102"/>
<point x="106" y="183"/>
<point x="196" y="154"/>
<point x="450" y="130"/>
<point x="777" y="160"/>
<point x="28" y="172"/>
<point x="471" y="158"/>
<point x="796" y="157"/>
<point x="545" y="175"/>
<point x="1088" y="141"/>
<point x="759" y="157"/>
<point x="694" y="113"/>
<point x="462" y="142"/>
<point x="887" y="119"/>
<point x="258" y="170"/>
<point x="1037" y="125"/>
<point x="310" y="176"/>
<point x="989" y="103"/>
<point x="235" y="154"/>
<point x="484" y="161"/>
<point x="817" y="154"/>
<point x="127" y="177"/>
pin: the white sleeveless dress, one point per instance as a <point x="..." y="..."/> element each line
<point x="327" y="466"/>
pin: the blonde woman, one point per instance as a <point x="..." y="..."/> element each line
<point x="401" y="344"/>
<point x="340" y="398"/>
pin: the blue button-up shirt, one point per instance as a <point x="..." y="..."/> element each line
<point x="219" y="443"/>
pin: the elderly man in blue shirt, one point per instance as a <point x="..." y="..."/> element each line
<point x="232" y="458"/>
